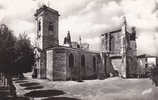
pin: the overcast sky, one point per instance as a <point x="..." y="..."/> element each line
<point x="88" y="19"/>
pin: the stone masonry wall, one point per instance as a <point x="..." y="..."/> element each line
<point x="49" y="65"/>
<point x="59" y="64"/>
<point x="50" y="38"/>
<point x="73" y="73"/>
<point x="79" y="71"/>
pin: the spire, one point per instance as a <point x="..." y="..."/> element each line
<point x="68" y="36"/>
<point x="124" y="20"/>
<point x="67" y="39"/>
<point x="80" y="39"/>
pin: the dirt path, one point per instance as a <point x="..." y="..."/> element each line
<point x="108" y="89"/>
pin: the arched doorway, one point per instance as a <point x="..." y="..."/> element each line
<point x="71" y="65"/>
<point x="83" y="69"/>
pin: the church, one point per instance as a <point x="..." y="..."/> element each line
<point x="120" y="45"/>
<point x="73" y="60"/>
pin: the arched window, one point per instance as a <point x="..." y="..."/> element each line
<point x="112" y="43"/>
<point x="51" y="27"/>
<point x="83" y="61"/>
<point x="83" y="69"/>
<point x="39" y="25"/>
<point x="71" y="61"/>
<point x="94" y="64"/>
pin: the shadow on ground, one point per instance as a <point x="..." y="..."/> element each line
<point x="33" y="87"/>
<point x="21" y="81"/>
<point x="4" y="95"/>
<point x="44" y="93"/>
<point x="15" y="98"/>
<point x="29" y="84"/>
<point x="61" y="98"/>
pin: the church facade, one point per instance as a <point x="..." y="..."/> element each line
<point x="72" y="61"/>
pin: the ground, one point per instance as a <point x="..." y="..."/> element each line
<point x="109" y="89"/>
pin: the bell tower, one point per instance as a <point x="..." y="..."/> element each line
<point x="47" y="27"/>
<point x="46" y="36"/>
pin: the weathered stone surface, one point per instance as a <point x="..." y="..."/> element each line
<point x="49" y="65"/>
<point x="82" y="68"/>
<point x="47" y="37"/>
<point x="59" y="65"/>
<point x="117" y="63"/>
<point x="118" y="44"/>
<point x="65" y="63"/>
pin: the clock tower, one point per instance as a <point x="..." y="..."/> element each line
<point x="46" y="35"/>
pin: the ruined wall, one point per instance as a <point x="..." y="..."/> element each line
<point x="133" y="48"/>
<point x="117" y="64"/>
<point x="141" y="63"/>
<point x="116" y="43"/>
<point x="101" y="65"/>
<point x="89" y="65"/>
<point x="132" y="67"/>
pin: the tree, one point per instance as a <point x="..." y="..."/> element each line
<point x="25" y="54"/>
<point x="16" y="55"/>
<point x="7" y="41"/>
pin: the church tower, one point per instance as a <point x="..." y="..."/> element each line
<point x="46" y="36"/>
<point x="47" y="27"/>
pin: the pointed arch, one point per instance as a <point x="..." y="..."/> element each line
<point x="83" y="66"/>
<point x="71" y="60"/>
<point x="94" y="64"/>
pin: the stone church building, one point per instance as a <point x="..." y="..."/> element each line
<point x="120" y="45"/>
<point x="74" y="61"/>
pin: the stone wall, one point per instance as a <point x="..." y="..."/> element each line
<point x="101" y="65"/>
<point x="117" y="63"/>
<point x="72" y="72"/>
<point x="116" y="43"/>
<point x="89" y="61"/>
<point x="83" y="64"/>
<point x="59" y="64"/>
<point x="141" y="63"/>
<point x="42" y="66"/>
<point x="73" y="64"/>
<point x="50" y="37"/>
<point x="47" y="37"/>
<point x="49" y="65"/>
<point x="132" y="66"/>
<point x="129" y="70"/>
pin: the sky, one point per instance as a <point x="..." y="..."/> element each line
<point x="88" y="19"/>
